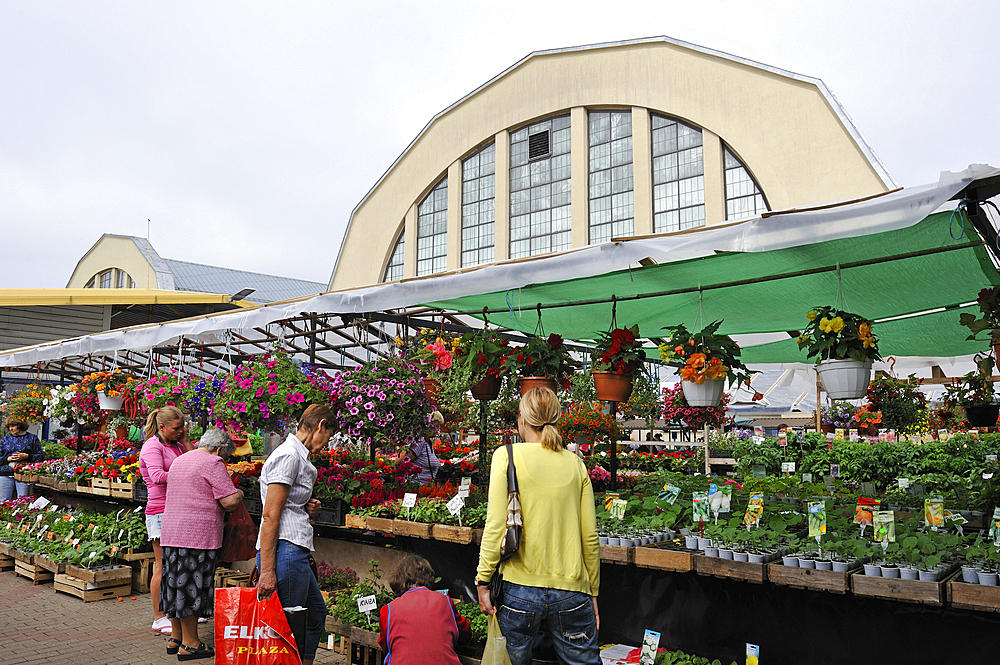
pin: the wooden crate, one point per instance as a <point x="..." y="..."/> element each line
<point x="6" y="563"/>
<point x="4" y="549"/>
<point x="342" y="636"/>
<point x="379" y="524"/>
<point x="978" y="597"/>
<point x="728" y="568"/>
<point x="47" y="481"/>
<point x="411" y="529"/>
<point x="111" y="577"/>
<point x="477" y="536"/>
<point x="84" y="487"/>
<point x="238" y="580"/>
<point x="100" y="486"/>
<point x="894" y="588"/>
<point x="49" y="565"/>
<point x="77" y="587"/>
<point x="131" y="555"/>
<point x="142" y="574"/>
<point x="809" y="578"/>
<point x="452" y="534"/>
<point x="665" y="556"/>
<point x="64" y="487"/>
<point x="617" y="554"/>
<point x="364" y="647"/>
<point x="33" y="572"/>
<point x="21" y="556"/>
<point x="352" y="521"/>
<point x="122" y="490"/>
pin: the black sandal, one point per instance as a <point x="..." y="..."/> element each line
<point x="202" y="651"/>
<point x="172" y="650"/>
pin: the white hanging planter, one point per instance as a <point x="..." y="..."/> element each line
<point x="703" y="394"/>
<point x="845" y="379"/>
<point x="109" y="403"/>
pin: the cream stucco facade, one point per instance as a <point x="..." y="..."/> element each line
<point x="787" y="131"/>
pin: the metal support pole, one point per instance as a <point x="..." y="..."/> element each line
<point x="708" y="467"/>
<point x="312" y="341"/>
<point x="614" y="449"/>
<point x="79" y="437"/>
<point x="483" y="436"/>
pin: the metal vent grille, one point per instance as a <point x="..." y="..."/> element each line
<point x="539" y="145"/>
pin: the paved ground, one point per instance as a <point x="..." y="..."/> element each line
<point x="38" y="625"/>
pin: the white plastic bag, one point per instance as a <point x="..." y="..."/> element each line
<point x="495" y="652"/>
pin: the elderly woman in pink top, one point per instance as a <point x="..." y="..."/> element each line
<point x="166" y="440"/>
<point x="199" y="492"/>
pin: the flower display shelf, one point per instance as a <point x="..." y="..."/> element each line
<point x="617" y="554"/>
<point x="47" y="481"/>
<point x="91" y="591"/>
<point x="978" y="597"/>
<point x="100" y="486"/>
<point x="379" y="524"/>
<point x="411" y="529"/>
<point x="462" y="535"/>
<point x="728" y="568"/>
<point x="352" y="521"/>
<point x="810" y="578"/>
<point x="665" y="556"/>
<point x="50" y="565"/>
<point x="907" y="591"/>
<point x="122" y="490"/>
<point x="33" y="572"/>
<point x="21" y="556"/>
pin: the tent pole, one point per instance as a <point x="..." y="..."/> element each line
<point x="614" y="448"/>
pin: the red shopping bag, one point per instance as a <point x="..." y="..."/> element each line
<point x="250" y="631"/>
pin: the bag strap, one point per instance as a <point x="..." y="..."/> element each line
<point x="511" y="471"/>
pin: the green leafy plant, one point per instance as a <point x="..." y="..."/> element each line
<point x="705" y="355"/>
<point x="835" y="334"/>
<point x="345" y="607"/>
<point x="541" y="356"/>
<point x="989" y="306"/>
<point x="618" y="351"/>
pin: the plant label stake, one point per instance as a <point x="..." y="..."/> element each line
<point x="409" y="501"/>
<point x="463" y="489"/>
<point x="366" y="604"/>
<point x="455" y="507"/>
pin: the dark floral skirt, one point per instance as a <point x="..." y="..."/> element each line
<point x="187" y="582"/>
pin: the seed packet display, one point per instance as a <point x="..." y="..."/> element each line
<point x="669" y="494"/>
<point x="699" y="506"/>
<point x="995" y="527"/>
<point x="934" y="512"/>
<point x="755" y="509"/>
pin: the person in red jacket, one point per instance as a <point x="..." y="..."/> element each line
<point x="420" y="627"/>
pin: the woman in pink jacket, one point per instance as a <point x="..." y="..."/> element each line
<point x="166" y="440"/>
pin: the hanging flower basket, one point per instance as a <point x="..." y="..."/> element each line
<point x="612" y="387"/>
<point x="526" y="383"/>
<point x="708" y="393"/>
<point x="982" y="415"/>
<point x="845" y="379"/>
<point x="433" y="390"/>
<point x="487" y="389"/>
<point x="109" y="403"/>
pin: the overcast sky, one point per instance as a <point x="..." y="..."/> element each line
<point x="248" y="132"/>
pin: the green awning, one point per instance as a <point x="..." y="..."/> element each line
<point x="900" y="272"/>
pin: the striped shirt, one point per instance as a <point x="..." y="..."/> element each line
<point x="289" y="465"/>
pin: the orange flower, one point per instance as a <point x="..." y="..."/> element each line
<point x="696" y="360"/>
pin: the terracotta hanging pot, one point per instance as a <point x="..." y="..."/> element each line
<point x="433" y="390"/>
<point x="121" y="432"/>
<point x="611" y="387"/>
<point x="486" y="389"/>
<point x="526" y="383"/>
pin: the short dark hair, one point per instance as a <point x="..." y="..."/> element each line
<point x="13" y="421"/>
<point x="412" y="571"/>
<point x="315" y="413"/>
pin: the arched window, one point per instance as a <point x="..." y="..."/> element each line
<point x="744" y="197"/>
<point x="678" y="176"/>
<point x="540" y="171"/>
<point x="394" y="270"/>
<point x="478" y="206"/>
<point x="611" y="203"/>
<point x="432" y="230"/>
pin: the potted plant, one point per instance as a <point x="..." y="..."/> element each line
<point x="989" y="305"/>
<point x="484" y="352"/>
<point x="899" y="400"/>
<point x="542" y="361"/>
<point x="975" y="394"/>
<point x="109" y="387"/>
<point x="616" y="357"/>
<point x="28" y="404"/>
<point x="676" y="409"/>
<point x="836" y="416"/>
<point x="708" y="359"/>
<point x="433" y="353"/>
<point x="644" y="402"/>
<point x="844" y="348"/>
<point x="867" y="420"/>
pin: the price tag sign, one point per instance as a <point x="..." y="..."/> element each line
<point x="75" y="541"/>
<point x="455" y="507"/>
<point x="137" y="509"/>
<point x="807" y="477"/>
<point x="409" y="501"/>
<point x="903" y="483"/>
<point x="788" y="467"/>
<point x="39" y="503"/>
<point x="120" y="532"/>
<point x="463" y="489"/>
<point x="39" y="518"/>
<point x="367" y="604"/>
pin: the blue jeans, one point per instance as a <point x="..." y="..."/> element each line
<point x="8" y="486"/>
<point x="567" y="616"/>
<point x="297" y="587"/>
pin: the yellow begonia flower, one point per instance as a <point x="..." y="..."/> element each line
<point x="824" y="324"/>
<point x="812" y="315"/>
<point x="837" y="325"/>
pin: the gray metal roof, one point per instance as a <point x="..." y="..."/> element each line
<point x="213" y="279"/>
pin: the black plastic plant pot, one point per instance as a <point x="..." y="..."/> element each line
<point x="982" y="415"/>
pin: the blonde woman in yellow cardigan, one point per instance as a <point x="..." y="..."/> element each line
<point x="551" y="583"/>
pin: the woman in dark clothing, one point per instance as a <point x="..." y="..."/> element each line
<point x="18" y="447"/>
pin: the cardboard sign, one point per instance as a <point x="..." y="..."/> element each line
<point x="669" y="494"/>
<point x="455" y="505"/>
<point x="788" y="467"/>
<point x="39" y="503"/>
<point x="835" y="471"/>
<point x="755" y="509"/>
<point x="839" y="434"/>
<point x="807" y="477"/>
<point x="617" y="509"/>
<point x="903" y="483"/>
<point x="699" y="506"/>
<point x="934" y="512"/>
<point x="367" y="604"/>
<point x="782" y="439"/>
<point x="463" y="489"/>
<point x="409" y="500"/>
